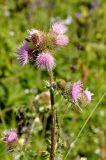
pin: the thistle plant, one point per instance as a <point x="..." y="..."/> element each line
<point x="10" y="138"/>
<point x="37" y="49"/>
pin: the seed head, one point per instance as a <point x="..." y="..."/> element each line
<point x="36" y="37"/>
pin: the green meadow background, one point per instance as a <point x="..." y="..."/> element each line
<point x="83" y="58"/>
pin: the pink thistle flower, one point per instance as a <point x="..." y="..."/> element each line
<point x="45" y="61"/>
<point x="58" y="28"/>
<point x="88" y="95"/>
<point x="61" y="40"/>
<point x="75" y="90"/>
<point x="10" y="136"/>
<point x="23" y="54"/>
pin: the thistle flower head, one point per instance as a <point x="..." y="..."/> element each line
<point x="36" y="37"/>
<point x="75" y="90"/>
<point x="61" y="40"/>
<point x="45" y="61"/>
<point x="10" y="136"/>
<point x="58" y="28"/>
<point x="23" y="54"/>
<point x="88" y="95"/>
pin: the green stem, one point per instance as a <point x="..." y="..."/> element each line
<point x="52" y="151"/>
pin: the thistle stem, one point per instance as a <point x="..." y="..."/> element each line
<point x="53" y="126"/>
<point x="52" y="151"/>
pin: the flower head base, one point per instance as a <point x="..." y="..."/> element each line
<point x="59" y="28"/>
<point x="23" y="54"/>
<point x="45" y="61"/>
<point x="88" y="96"/>
<point x="61" y="40"/>
<point x="10" y="136"/>
<point x="75" y="91"/>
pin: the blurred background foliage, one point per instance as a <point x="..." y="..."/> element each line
<point x="84" y="58"/>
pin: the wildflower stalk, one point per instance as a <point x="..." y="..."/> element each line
<point x="52" y="151"/>
<point x="36" y="50"/>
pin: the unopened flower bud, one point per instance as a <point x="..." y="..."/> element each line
<point x="61" y="83"/>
